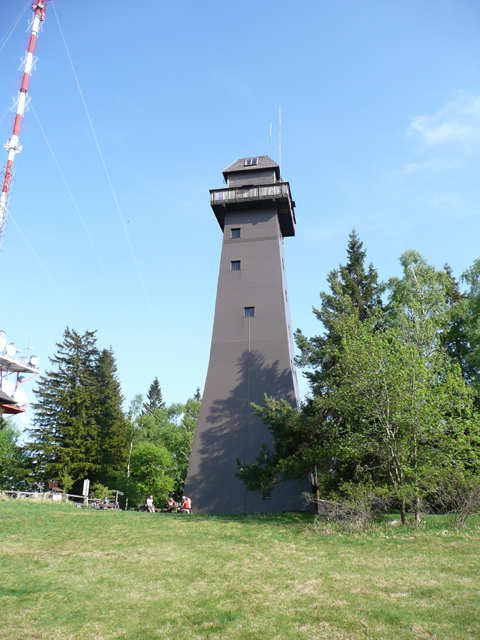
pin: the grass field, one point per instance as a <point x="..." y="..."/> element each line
<point x="68" y="573"/>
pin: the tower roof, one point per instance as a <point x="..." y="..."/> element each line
<point x="251" y="164"/>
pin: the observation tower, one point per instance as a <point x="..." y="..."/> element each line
<point x="252" y="348"/>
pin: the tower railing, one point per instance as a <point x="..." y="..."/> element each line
<point x="251" y="192"/>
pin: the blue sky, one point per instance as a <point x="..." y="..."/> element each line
<point x="381" y="129"/>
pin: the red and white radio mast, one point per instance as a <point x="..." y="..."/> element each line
<point x="13" y="145"/>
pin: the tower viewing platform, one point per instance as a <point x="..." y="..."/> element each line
<point x="256" y="196"/>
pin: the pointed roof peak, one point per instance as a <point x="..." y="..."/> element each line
<point x="251" y="164"/>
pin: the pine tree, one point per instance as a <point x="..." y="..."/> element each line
<point x="354" y="290"/>
<point x="308" y="442"/>
<point x="113" y="428"/>
<point x="65" y="436"/>
<point x="154" y="398"/>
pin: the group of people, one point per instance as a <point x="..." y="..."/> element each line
<point x="185" y="506"/>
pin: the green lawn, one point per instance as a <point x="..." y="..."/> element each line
<point x="68" y="573"/>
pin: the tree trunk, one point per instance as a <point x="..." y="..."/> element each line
<point x="315" y="491"/>
<point x="403" y="512"/>
<point x="417" y="510"/>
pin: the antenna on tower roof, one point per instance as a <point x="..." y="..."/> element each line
<point x="280" y="137"/>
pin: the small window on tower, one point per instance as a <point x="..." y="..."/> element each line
<point x="235" y="265"/>
<point x="235" y="233"/>
<point x="249" y="312"/>
<point x="250" y="162"/>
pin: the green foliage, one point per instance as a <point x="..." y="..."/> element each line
<point x="99" y="490"/>
<point x="301" y="447"/>
<point x="65" y="436"/>
<point x="154" y="398"/>
<point x="113" y="427"/>
<point x="12" y="459"/>
<point x="354" y="290"/>
<point x="171" y="427"/>
<point x="79" y="429"/>
<point x="463" y="336"/>
<point x="259" y="475"/>
<point x="417" y="413"/>
<point x="394" y="389"/>
<point x="66" y="481"/>
<point x="456" y="493"/>
<point x="306" y="443"/>
<point x="150" y="466"/>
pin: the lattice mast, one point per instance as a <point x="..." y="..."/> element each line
<point x="13" y="145"/>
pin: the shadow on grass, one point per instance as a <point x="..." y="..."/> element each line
<point x="281" y="519"/>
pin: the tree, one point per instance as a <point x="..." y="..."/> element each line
<point x="79" y="430"/>
<point x="65" y="437"/>
<point x="172" y="427"/>
<point x="154" y="398"/>
<point x="388" y="406"/>
<point x="417" y="413"/>
<point x="150" y="464"/>
<point x="113" y="427"/>
<point x="405" y="406"/>
<point x="462" y="339"/>
<point x="13" y="463"/>
<point x="354" y="290"/>
<point x="302" y="447"/>
<point x="133" y="416"/>
<point x="305" y="444"/>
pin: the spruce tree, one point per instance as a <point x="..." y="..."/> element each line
<point x="309" y="442"/>
<point x="354" y="290"/>
<point x="154" y="398"/>
<point x="113" y="428"/>
<point x="65" y="437"/>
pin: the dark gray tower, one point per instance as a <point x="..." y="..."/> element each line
<point x="252" y="350"/>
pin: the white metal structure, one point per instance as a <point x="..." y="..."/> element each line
<point x="13" y="370"/>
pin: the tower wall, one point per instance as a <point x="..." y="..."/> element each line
<point x="249" y="357"/>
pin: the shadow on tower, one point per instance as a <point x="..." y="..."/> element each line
<point x="234" y="432"/>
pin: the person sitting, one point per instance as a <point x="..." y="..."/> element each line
<point x="186" y="505"/>
<point x="171" y="504"/>
<point x="150" y="505"/>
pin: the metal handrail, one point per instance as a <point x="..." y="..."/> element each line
<point x="278" y="189"/>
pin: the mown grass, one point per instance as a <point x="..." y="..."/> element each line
<point x="67" y="573"/>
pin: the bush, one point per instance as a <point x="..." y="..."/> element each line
<point x="459" y="495"/>
<point x="101" y="492"/>
<point x="355" y="505"/>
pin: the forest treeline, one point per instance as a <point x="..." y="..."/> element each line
<point x="392" y="418"/>
<point x="80" y="430"/>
